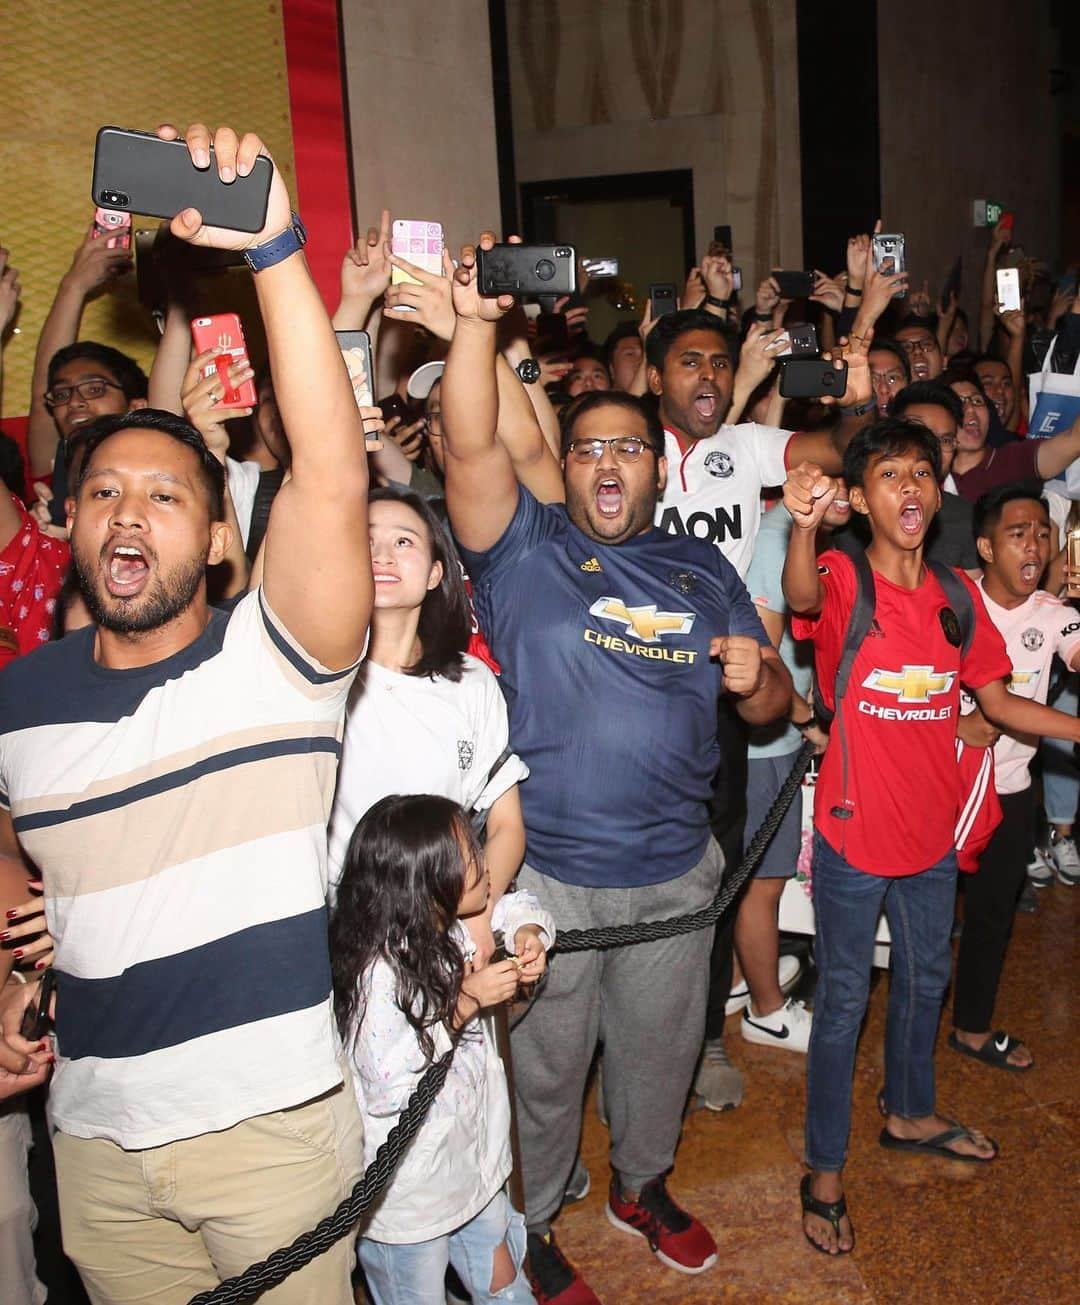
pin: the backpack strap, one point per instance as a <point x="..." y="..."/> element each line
<point x="959" y="598"/>
<point x="862" y="615"/>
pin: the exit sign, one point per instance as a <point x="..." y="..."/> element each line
<point x="987" y="212"/>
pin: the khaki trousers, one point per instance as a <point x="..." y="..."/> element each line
<point x="166" y="1223"/>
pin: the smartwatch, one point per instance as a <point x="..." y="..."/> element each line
<point x="280" y="247"/>
<point x="528" y="371"/>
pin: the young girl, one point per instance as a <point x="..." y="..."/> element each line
<point x="424" y="716"/>
<point x="403" y="983"/>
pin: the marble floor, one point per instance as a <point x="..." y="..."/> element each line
<point x="927" y="1230"/>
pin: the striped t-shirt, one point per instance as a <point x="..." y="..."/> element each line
<point x="178" y="812"/>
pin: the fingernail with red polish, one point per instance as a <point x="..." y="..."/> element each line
<point x="12" y="914"/>
<point x="5" y="935"/>
<point x="40" y="965"/>
<point x="17" y="953"/>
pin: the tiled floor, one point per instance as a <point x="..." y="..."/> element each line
<point x="928" y="1230"/>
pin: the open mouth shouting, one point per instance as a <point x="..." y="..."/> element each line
<point x="911" y="518"/>
<point x="707" y="405"/>
<point x="126" y="569"/>
<point x="1030" y="573"/>
<point x="609" y="498"/>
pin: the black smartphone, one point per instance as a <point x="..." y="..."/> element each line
<point x="722" y="236"/>
<point x="802" y="341"/>
<point x="810" y="378"/>
<point x="521" y="270"/>
<point x="794" y="285"/>
<point x="36" y="1018"/>
<point x="662" y="299"/>
<point x="552" y="333"/>
<point x="952" y="283"/>
<point x="136" y="172"/>
<point x="153" y="247"/>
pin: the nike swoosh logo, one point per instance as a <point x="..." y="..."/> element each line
<point x="780" y="1036"/>
<point x="1002" y="1044"/>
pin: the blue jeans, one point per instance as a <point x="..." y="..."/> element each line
<point x="847" y="903"/>
<point x="1061" y="781"/>
<point x="413" y="1273"/>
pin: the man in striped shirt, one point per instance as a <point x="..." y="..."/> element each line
<point x="170" y="771"/>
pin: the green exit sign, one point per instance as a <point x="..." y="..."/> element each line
<point x="988" y="212"/>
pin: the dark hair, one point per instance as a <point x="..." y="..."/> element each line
<point x="445" y="615"/>
<point x="622" y="331"/>
<point x="402" y="882"/>
<point x="895" y="348"/>
<point x="211" y="471"/>
<point x="672" y="325"/>
<point x="989" y="358"/>
<point x="988" y="508"/>
<point x="913" y="322"/>
<point x="886" y="438"/>
<point x="928" y="392"/>
<point x="585" y="403"/>
<point x="129" y="375"/>
<point x="963" y="373"/>
<point x="12" y="467"/>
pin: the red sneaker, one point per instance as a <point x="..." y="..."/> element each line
<point x="677" y="1238"/>
<point x="553" y="1278"/>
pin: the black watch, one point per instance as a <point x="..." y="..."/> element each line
<point x="714" y="302"/>
<point x="528" y="371"/>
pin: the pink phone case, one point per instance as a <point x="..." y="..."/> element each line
<point x="421" y="243"/>
<point x="114" y="227"/>
<point x="224" y="331"/>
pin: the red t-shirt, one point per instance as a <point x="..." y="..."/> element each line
<point x="32" y="569"/>
<point x="900" y="714"/>
<point x="1017" y="460"/>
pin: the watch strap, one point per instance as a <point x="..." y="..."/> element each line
<point x="279" y="247"/>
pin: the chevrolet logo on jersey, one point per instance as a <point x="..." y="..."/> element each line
<point x="912" y="683"/>
<point x="646" y="622"/>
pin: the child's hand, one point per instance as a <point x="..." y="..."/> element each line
<point x="490" y="986"/>
<point x="530" y="953"/>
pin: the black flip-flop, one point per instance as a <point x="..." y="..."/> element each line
<point x="831" y="1211"/>
<point x="994" y="1051"/>
<point x="939" y="1144"/>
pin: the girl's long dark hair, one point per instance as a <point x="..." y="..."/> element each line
<point x="445" y="616"/>
<point x="402" y="882"/>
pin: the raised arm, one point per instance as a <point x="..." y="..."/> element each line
<point x="1056" y="453"/>
<point x="365" y="275"/>
<point x="808" y="491"/>
<point x="92" y="268"/>
<point x="481" y="488"/>
<point x="1023" y="716"/>
<point x="317" y="571"/>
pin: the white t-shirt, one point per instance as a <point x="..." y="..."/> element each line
<point x="412" y="734"/>
<point x="1033" y="633"/>
<point x="714" y="489"/>
<point x="243" y="478"/>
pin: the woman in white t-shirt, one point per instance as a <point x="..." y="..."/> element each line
<point x="424" y="716"/>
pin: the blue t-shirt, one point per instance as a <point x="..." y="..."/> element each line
<point x="604" y="651"/>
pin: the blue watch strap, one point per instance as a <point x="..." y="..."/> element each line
<point x="280" y="247"/>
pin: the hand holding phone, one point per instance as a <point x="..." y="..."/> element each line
<point x="1008" y="289"/>
<point x="794" y="285"/>
<point x="37" y="1017"/>
<point x="419" y="243"/>
<point x="812" y="378"/>
<point x="887" y="251"/>
<point x="662" y="299"/>
<point x="225" y="332"/>
<point x="521" y="270"/>
<point x="112" y="227"/>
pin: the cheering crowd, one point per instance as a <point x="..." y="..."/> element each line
<point x="320" y="719"/>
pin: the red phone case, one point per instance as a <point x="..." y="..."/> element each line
<point x="224" y="331"/>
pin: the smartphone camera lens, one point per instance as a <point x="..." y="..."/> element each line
<point x="563" y="252"/>
<point x="115" y="199"/>
<point x="545" y="269"/>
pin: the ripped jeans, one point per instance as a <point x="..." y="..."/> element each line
<point x="413" y="1273"/>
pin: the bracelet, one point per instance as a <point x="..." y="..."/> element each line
<point x="713" y="302"/>
<point x="856" y="291"/>
<point x="803" y="725"/>
<point x="762" y="317"/>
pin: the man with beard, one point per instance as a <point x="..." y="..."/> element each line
<point x="170" y="771"/>
<point x="606" y="630"/>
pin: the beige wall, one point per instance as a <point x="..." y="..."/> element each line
<point x="966" y="114"/>
<point x="420" y="104"/>
<point x="626" y="86"/>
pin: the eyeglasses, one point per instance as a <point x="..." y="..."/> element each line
<point x="86" y="391"/>
<point x="891" y="379"/>
<point x="627" y="448"/>
<point x="920" y="346"/>
<point x="972" y="400"/>
<point x="947" y="441"/>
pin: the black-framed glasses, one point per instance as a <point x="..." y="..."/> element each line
<point x="626" y="448"/>
<point x="972" y="400"/>
<point x="86" y="390"/>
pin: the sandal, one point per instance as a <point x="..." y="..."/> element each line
<point x="939" y="1144"/>
<point x="994" y="1051"/>
<point x="831" y="1211"/>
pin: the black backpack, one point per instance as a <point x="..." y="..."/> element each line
<point x="862" y="614"/>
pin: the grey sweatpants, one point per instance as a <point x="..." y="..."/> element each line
<point x="646" y="1002"/>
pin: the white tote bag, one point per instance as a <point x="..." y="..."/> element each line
<point x="1053" y="406"/>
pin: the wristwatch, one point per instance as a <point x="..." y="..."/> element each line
<point x="714" y="302"/>
<point x="280" y="247"/>
<point x="860" y="409"/>
<point x="528" y="371"/>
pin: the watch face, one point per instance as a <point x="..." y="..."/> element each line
<point x="529" y="370"/>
